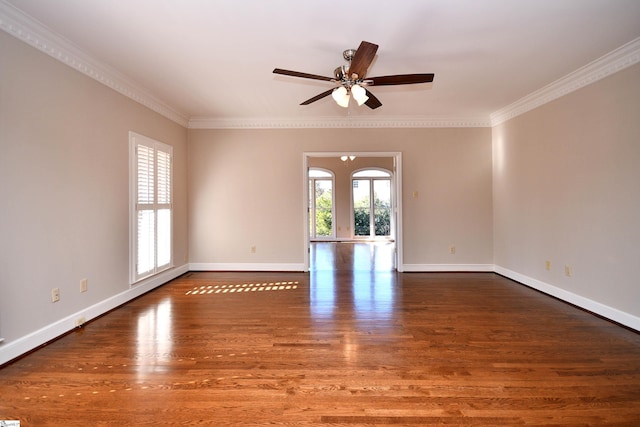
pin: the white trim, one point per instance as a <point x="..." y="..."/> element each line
<point x="338" y="122"/>
<point x="11" y="350"/>
<point x="398" y="237"/>
<point x="30" y="31"/>
<point x="588" y="304"/>
<point x="233" y="266"/>
<point x="432" y="268"/>
<point x="614" y="61"/>
<point x="305" y="212"/>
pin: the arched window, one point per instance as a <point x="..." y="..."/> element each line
<point x="371" y="198"/>
<point x="321" y="204"/>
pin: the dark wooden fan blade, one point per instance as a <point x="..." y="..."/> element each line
<point x="303" y="75"/>
<point x="372" y="102"/>
<point x="317" y="97"/>
<point x="362" y="59"/>
<point x="400" y="79"/>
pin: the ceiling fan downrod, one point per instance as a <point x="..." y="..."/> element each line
<point x="341" y="73"/>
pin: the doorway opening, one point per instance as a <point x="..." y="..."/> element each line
<point x="352" y="211"/>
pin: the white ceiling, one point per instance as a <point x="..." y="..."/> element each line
<point x="214" y="59"/>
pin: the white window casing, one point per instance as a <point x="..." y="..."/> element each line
<point x="151" y="209"/>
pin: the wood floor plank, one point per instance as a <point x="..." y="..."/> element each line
<point x="337" y="348"/>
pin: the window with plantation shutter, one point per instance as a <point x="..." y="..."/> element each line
<point x="151" y="207"/>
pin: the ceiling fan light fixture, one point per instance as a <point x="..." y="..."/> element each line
<point x="359" y="94"/>
<point x="341" y="96"/>
<point x="351" y="77"/>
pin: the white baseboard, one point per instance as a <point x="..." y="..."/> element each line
<point x="610" y="313"/>
<point x="432" y="268"/>
<point x="11" y="350"/>
<point x="214" y="266"/>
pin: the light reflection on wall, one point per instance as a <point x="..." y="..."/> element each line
<point x="154" y="339"/>
<point x="499" y="150"/>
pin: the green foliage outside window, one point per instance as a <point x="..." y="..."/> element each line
<point x="382" y="218"/>
<point x="361" y="226"/>
<point x="324" y="217"/>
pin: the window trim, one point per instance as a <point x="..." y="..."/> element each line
<point x="136" y="140"/>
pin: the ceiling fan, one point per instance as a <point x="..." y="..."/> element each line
<point x="351" y="78"/>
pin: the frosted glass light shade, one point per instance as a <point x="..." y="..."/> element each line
<point x="341" y="96"/>
<point x="359" y="94"/>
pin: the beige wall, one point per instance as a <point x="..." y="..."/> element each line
<point x="246" y="189"/>
<point x="566" y="189"/>
<point x="64" y="189"/>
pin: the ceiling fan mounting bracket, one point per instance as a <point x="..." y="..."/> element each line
<point x="349" y="54"/>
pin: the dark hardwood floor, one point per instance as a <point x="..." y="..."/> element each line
<point x="333" y="347"/>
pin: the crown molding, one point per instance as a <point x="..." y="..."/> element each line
<point x="23" y="27"/>
<point x="614" y="61"/>
<point x="336" y="122"/>
<point x="30" y="31"/>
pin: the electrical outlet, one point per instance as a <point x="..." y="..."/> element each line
<point x="568" y="270"/>
<point x="452" y="249"/>
<point x="547" y="265"/>
<point x="84" y="285"/>
<point x="252" y="249"/>
<point x="55" y="294"/>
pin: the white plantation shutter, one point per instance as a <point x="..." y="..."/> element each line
<point x="164" y="177"/>
<point x="145" y="241"/>
<point x="163" y="212"/>
<point x="146" y="174"/>
<point x="152" y="207"/>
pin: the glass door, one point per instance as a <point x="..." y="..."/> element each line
<point x="371" y="195"/>
<point x="381" y="219"/>
<point x="320" y="204"/>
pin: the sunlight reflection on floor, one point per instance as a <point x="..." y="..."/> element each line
<point x="242" y="287"/>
